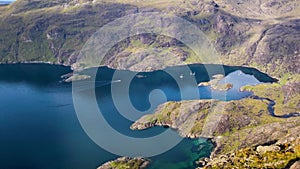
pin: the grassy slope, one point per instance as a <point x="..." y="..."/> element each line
<point x="286" y="97"/>
<point x="47" y="31"/>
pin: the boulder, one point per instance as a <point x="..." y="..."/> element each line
<point x="264" y="149"/>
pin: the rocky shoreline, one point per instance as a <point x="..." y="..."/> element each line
<point x="126" y="162"/>
<point x="239" y="126"/>
<point x="35" y="62"/>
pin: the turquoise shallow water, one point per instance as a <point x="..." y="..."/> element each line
<point x="39" y="128"/>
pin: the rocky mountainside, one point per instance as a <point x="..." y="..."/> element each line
<point x="264" y="34"/>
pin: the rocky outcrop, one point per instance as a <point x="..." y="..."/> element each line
<point x="274" y="155"/>
<point x="126" y="162"/>
<point x="210" y="117"/>
<point x="296" y="165"/>
<point x="177" y="115"/>
<point x="265" y="149"/>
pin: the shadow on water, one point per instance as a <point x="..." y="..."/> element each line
<point x="33" y="74"/>
<point x="199" y="71"/>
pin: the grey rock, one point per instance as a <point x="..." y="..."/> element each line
<point x="264" y="149"/>
<point x="296" y="165"/>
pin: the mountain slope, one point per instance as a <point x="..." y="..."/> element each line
<point x="55" y="31"/>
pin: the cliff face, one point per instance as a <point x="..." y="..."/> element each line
<point x="244" y="33"/>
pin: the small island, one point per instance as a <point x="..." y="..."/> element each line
<point x="74" y="77"/>
<point x="216" y="85"/>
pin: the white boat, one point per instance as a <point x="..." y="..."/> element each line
<point x="117" y="81"/>
<point x="193" y="73"/>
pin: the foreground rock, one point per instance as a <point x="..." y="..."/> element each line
<point x="263" y="149"/>
<point x="296" y="165"/>
<point x="278" y="155"/>
<point x="126" y="162"/>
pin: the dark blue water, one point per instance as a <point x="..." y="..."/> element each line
<point x="39" y="128"/>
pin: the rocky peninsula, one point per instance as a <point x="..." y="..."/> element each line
<point x="126" y="162"/>
<point x="240" y="127"/>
